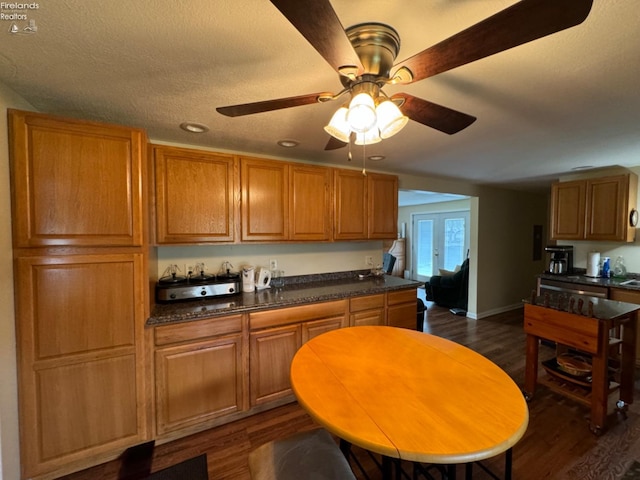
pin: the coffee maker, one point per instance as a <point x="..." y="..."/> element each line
<point x="560" y="259"/>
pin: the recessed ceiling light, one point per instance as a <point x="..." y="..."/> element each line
<point x="376" y="158"/>
<point x="288" y="143"/>
<point x="194" y="127"/>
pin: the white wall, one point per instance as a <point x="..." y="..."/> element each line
<point x="9" y="440"/>
<point x="501" y="270"/>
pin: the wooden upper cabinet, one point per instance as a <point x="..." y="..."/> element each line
<point x="609" y="203"/>
<point x="310" y="203"/>
<point x="75" y="183"/>
<point x="195" y="195"/>
<point x="350" y="205"/>
<point x="366" y="206"/>
<point x="265" y="200"/>
<point x="594" y="208"/>
<point x="382" y="194"/>
<point x="568" y="201"/>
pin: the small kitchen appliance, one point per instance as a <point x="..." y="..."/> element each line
<point x="560" y="259"/>
<point x="173" y="287"/>
<point x="248" y="279"/>
<point x="263" y="278"/>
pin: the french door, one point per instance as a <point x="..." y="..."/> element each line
<point x="440" y="241"/>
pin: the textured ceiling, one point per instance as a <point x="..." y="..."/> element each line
<point x="564" y="101"/>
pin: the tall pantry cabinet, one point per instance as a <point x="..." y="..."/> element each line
<point x="81" y="281"/>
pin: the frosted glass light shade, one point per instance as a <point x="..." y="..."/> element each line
<point x="338" y="126"/>
<point x="368" y="138"/>
<point x="390" y="119"/>
<point x="362" y="113"/>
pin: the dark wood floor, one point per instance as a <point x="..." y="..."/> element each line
<point x="557" y="445"/>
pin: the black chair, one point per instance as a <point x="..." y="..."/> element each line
<point x="450" y="290"/>
<point x="388" y="261"/>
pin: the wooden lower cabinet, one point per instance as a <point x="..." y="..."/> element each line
<point x="270" y="354"/>
<point x="402" y="308"/>
<point x="275" y="337"/>
<point x="81" y="364"/>
<point x="368" y="310"/>
<point x="199" y="373"/>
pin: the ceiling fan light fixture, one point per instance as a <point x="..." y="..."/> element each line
<point x="338" y="126"/>
<point x="369" y="137"/>
<point x="390" y="118"/>
<point x="362" y="113"/>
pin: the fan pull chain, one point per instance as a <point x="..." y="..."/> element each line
<point x="364" y="158"/>
<point x="349" y="156"/>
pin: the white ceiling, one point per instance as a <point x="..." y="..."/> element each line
<point x="564" y="101"/>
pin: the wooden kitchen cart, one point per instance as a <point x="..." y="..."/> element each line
<point x="606" y="333"/>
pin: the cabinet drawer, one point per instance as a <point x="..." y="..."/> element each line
<point x="284" y="316"/>
<point x="562" y="327"/>
<point x="402" y="296"/>
<point x="366" y="303"/>
<point x="182" y="332"/>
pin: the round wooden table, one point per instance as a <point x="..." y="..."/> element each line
<point x="409" y="395"/>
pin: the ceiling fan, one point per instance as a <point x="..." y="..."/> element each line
<point x="364" y="57"/>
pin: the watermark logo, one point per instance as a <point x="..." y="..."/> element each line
<point x="19" y="17"/>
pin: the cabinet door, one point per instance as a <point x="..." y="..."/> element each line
<point x="318" y="327"/>
<point x="80" y="327"/>
<point x="265" y="199"/>
<point x="607" y="200"/>
<point x="382" y="194"/>
<point x="350" y="205"/>
<point x="310" y="203"/>
<point x="271" y="352"/>
<point x="402" y="309"/>
<point x="198" y="382"/>
<point x="367" y="317"/>
<point x="367" y="310"/>
<point x="75" y="183"/>
<point x="195" y="196"/>
<point x="568" y="203"/>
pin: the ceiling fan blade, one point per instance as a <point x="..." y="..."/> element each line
<point x="334" y="144"/>
<point x="269" y="105"/>
<point x="318" y="22"/>
<point x="434" y="115"/>
<point x="523" y="22"/>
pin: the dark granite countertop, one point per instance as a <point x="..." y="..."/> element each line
<point x="584" y="305"/>
<point x="581" y="279"/>
<point x="297" y="291"/>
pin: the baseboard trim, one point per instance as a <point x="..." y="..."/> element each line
<point x="495" y="311"/>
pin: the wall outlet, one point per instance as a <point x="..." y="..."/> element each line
<point x="368" y="260"/>
<point x="273" y="264"/>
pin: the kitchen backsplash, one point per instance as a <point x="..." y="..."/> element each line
<point x="293" y="259"/>
<point x="630" y="253"/>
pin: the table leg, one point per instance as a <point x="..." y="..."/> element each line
<point x="387" y="468"/>
<point x="468" y="471"/>
<point x="531" y="367"/>
<point x="508" y="461"/>
<point x="627" y="362"/>
<point x="600" y="383"/>
<point x="451" y="472"/>
<point x="345" y="448"/>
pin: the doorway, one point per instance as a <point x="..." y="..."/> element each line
<point x="440" y="241"/>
